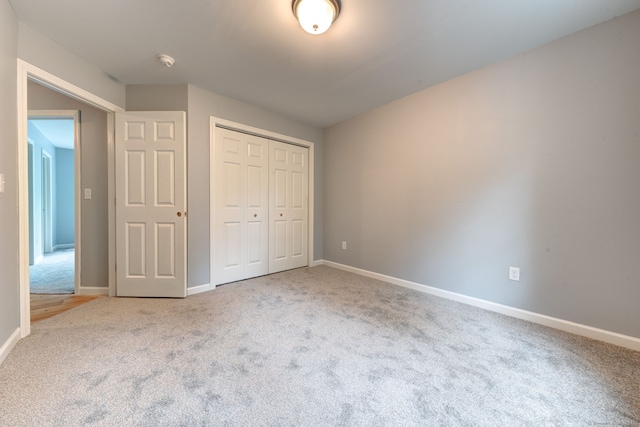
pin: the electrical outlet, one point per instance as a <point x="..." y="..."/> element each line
<point x="344" y="245"/>
<point x="514" y="274"/>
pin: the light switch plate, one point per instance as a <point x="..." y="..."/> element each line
<point x="1" y="183"/>
<point x="87" y="194"/>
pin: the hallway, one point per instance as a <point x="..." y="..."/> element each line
<point x="55" y="274"/>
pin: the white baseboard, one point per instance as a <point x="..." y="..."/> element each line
<point x="38" y="259"/>
<point x="9" y="344"/>
<point x="552" y="322"/>
<point x="86" y="290"/>
<point x="316" y="263"/>
<point x="199" y="289"/>
<point x="64" y="246"/>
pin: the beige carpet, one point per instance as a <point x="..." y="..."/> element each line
<point x="314" y="346"/>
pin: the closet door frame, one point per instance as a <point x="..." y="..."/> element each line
<point x="215" y="122"/>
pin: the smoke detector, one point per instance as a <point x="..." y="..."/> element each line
<point x="166" y="60"/>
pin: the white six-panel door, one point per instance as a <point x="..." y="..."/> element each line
<point x="241" y="241"/>
<point x="151" y="204"/>
<point x="289" y="206"/>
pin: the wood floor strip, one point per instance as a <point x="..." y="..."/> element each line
<point x="46" y="306"/>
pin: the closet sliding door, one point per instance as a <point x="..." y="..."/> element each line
<point x="261" y="218"/>
<point x="241" y="243"/>
<point x="288" y="202"/>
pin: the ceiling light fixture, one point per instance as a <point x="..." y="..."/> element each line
<point x="316" y="16"/>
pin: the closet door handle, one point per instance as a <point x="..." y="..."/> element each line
<point x="179" y="214"/>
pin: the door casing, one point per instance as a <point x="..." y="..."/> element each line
<point x="28" y="72"/>
<point x="47" y="220"/>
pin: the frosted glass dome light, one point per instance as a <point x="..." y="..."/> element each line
<point x="316" y="16"/>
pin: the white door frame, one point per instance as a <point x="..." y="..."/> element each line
<point x="46" y="200"/>
<point x="227" y="124"/>
<point x="28" y="72"/>
<point x="31" y="194"/>
<point x="77" y="180"/>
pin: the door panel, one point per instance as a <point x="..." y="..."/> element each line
<point x="165" y="236"/>
<point x="165" y="178"/>
<point x="232" y="235"/>
<point x="288" y="193"/>
<point x="241" y="247"/>
<point x="280" y="188"/>
<point x="297" y="239"/>
<point x="135" y="250"/>
<point x="232" y="185"/>
<point x="151" y="204"/>
<point x="135" y="184"/>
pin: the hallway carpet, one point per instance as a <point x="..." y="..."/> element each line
<point x="55" y="274"/>
<point x="311" y="347"/>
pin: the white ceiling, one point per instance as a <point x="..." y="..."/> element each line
<point x="254" y="51"/>
<point x="59" y="132"/>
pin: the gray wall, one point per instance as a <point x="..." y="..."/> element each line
<point x="200" y="106"/>
<point x="65" y="202"/>
<point x="157" y="98"/>
<point x="533" y="162"/>
<point x="93" y="151"/>
<point x="9" y="286"/>
<point x="44" y="53"/>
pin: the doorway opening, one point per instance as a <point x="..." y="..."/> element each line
<point x="101" y="213"/>
<point x="53" y="231"/>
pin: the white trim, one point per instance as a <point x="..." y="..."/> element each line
<point x="615" y="338"/>
<point x="53" y="82"/>
<point x="23" y="201"/>
<point x="200" y="289"/>
<point x="9" y="344"/>
<point x="27" y="72"/>
<point x="317" y="263"/>
<point x="218" y="122"/>
<point x="111" y="197"/>
<point x="87" y="290"/>
<point x="46" y="200"/>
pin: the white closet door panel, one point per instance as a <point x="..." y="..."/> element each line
<point x="257" y="212"/>
<point x="231" y="257"/>
<point x="280" y="188"/>
<point x="297" y="239"/>
<point x="241" y="214"/>
<point x="280" y="237"/>
<point x="232" y="184"/>
<point x="288" y="193"/>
